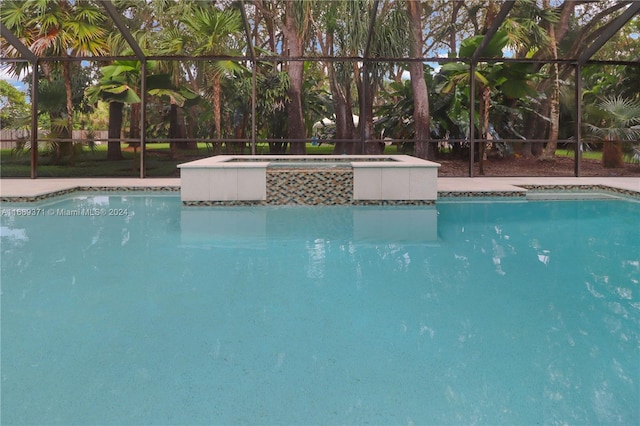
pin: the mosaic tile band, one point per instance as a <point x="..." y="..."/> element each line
<point x="441" y="194"/>
<point x="309" y="187"/>
<point x="89" y="189"/>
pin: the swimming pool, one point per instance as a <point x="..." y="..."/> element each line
<point x="132" y="309"/>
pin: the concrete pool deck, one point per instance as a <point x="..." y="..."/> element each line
<point x="16" y="189"/>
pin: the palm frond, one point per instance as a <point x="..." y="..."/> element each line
<point x="616" y="120"/>
<point x="635" y="153"/>
<point x="623" y="112"/>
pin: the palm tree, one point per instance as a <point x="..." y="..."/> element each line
<point x="614" y="120"/>
<point x="396" y="115"/>
<point x="295" y="29"/>
<point x="534" y="29"/>
<point x="117" y="88"/>
<point x="333" y="38"/>
<point x="342" y="29"/>
<point x="211" y="32"/>
<point x="554" y="100"/>
<point x="511" y="79"/>
<point x="58" y="28"/>
<point x="389" y="38"/>
<point x="15" y="17"/>
<point x="119" y="85"/>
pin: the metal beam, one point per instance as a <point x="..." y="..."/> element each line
<point x="504" y="11"/>
<point x="116" y="17"/>
<point x="609" y="31"/>
<point x="247" y="31"/>
<point x="34" y="119"/>
<point x="143" y="119"/>
<point x="17" y="44"/>
<point x="472" y="116"/>
<point x="372" y="22"/>
<point x="577" y="147"/>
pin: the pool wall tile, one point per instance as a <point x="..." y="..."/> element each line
<point x="196" y="185"/>
<point x="223" y="184"/>
<point x="367" y="183"/>
<point x="252" y="184"/>
<point x="395" y="184"/>
<point x="423" y="184"/>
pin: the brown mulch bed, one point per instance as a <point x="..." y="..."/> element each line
<point x="518" y="166"/>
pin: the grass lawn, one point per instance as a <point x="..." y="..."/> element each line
<point x="90" y="163"/>
<point x="94" y="162"/>
<point x="587" y="155"/>
<point x="87" y="163"/>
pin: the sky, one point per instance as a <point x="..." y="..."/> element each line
<point x="4" y="75"/>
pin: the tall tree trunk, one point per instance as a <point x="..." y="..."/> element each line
<point x="535" y="127"/>
<point x="486" y="104"/>
<point x="66" y="148"/>
<point x="344" y="115"/>
<point x="114" y="151"/>
<point x="295" y="69"/>
<point x="423" y="148"/>
<point x="59" y="132"/>
<point x="341" y="102"/>
<point x="612" y="154"/>
<point x="217" y="114"/>
<point x="134" y="124"/>
<point x="344" y="127"/>
<point x="134" y="132"/>
<point x="549" y="151"/>
<point x="295" y="119"/>
<point x="239" y="133"/>
<point x="366" y="95"/>
<point x="176" y="127"/>
<point x="182" y="125"/>
<point x="485" y="94"/>
<point x="452" y="31"/>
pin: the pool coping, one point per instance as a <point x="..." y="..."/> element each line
<point x="33" y="190"/>
<point x="563" y="192"/>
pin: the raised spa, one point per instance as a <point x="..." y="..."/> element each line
<point x="314" y="180"/>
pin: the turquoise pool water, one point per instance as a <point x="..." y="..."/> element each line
<point x="471" y="312"/>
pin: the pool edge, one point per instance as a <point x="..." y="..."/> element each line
<point x="519" y="191"/>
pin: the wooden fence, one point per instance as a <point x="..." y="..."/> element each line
<point x="9" y="138"/>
